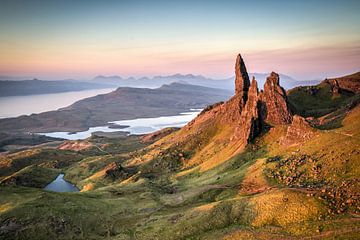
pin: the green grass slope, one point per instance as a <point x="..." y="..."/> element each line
<point x="317" y="101"/>
<point x="268" y="191"/>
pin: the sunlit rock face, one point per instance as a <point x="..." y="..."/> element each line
<point x="242" y="81"/>
<point x="253" y="110"/>
<point x="275" y="109"/>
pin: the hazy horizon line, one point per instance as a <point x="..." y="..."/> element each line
<point x="15" y="77"/>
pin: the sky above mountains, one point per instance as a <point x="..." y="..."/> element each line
<point x="81" y="39"/>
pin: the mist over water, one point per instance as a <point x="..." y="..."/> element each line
<point x="15" y="106"/>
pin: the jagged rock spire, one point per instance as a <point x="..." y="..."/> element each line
<point x="275" y="110"/>
<point x="270" y="107"/>
<point x="242" y="81"/>
<point x="250" y="120"/>
<point x="252" y="100"/>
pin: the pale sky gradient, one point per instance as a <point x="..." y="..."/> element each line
<point x="81" y="39"/>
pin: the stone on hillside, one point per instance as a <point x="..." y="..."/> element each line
<point x="335" y="87"/>
<point x="115" y="171"/>
<point x="299" y="131"/>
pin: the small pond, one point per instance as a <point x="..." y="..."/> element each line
<point x="60" y="185"/>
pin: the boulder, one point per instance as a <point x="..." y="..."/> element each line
<point x="298" y="132"/>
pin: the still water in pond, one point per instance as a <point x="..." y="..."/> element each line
<point x="60" y="185"/>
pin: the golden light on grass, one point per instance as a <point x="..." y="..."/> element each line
<point x="5" y="207"/>
<point x="283" y="208"/>
<point x="87" y="187"/>
<point x="206" y="207"/>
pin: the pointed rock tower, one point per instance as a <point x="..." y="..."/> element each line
<point x="242" y="81"/>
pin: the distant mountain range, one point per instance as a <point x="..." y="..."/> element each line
<point x="15" y="87"/>
<point x="228" y="83"/>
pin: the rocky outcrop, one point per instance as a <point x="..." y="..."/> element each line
<point x="334" y="84"/>
<point x="115" y="171"/>
<point x="298" y="132"/>
<point x="242" y="81"/>
<point x="349" y="83"/>
<point x="250" y="123"/>
<point x="274" y="105"/>
<point x="255" y="110"/>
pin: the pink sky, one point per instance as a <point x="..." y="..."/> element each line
<point x="80" y="39"/>
<point x="301" y="63"/>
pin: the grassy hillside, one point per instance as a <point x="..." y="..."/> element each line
<point x="317" y="101"/>
<point x="292" y="181"/>
<point x="267" y="191"/>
